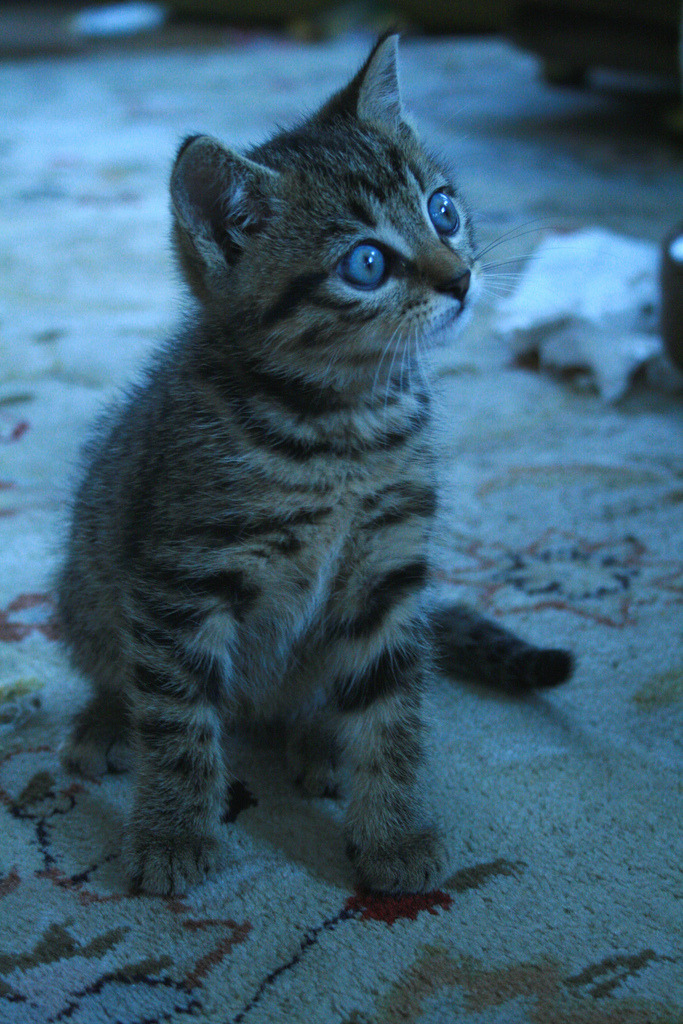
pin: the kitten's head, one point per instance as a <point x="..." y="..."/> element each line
<point x="331" y="239"/>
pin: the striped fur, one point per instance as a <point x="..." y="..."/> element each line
<point x="249" y="540"/>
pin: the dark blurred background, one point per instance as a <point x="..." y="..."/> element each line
<point x="572" y="37"/>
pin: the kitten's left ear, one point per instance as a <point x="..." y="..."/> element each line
<point x="374" y="94"/>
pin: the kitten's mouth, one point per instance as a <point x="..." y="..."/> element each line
<point x="445" y="320"/>
<point x="455" y="313"/>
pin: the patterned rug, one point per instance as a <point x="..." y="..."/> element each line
<point x="561" y="518"/>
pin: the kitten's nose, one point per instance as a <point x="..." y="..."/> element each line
<point x="456" y="286"/>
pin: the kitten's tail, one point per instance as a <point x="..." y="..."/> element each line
<point x="471" y="647"/>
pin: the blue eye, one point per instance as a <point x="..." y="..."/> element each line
<point x="443" y="213"/>
<point x="364" y="267"/>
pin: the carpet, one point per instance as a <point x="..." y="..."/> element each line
<point x="561" y="518"/>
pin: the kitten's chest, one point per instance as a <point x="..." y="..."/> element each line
<point x="364" y="511"/>
<point x="334" y="517"/>
<point x="363" y="526"/>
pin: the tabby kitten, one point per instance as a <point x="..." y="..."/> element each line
<point x="249" y="541"/>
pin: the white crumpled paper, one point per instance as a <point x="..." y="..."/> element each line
<point x="589" y="301"/>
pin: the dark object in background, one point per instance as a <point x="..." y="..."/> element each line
<point x="570" y="36"/>
<point x="672" y="295"/>
<point x="573" y="36"/>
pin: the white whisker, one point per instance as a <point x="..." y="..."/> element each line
<point x="520" y="231"/>
<point x="386" y="349"/>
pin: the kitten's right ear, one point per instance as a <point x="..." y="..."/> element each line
<point x="219" y="198"/>
<point x="373" y="94"/>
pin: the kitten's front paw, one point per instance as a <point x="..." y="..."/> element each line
<point x="171" y="865"/>
<point x="416" y="863"/>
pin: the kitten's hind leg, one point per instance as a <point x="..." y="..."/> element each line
<point x="99" y="739"/>
<point x="472" y="647"/>
<point x="312" y="756"/>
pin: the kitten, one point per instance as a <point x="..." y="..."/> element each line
<point x="249" y="541"/>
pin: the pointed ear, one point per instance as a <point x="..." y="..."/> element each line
<point x="218" y="198"/>
<point x="373" y="94"/>
<point x="379" y="96"/>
